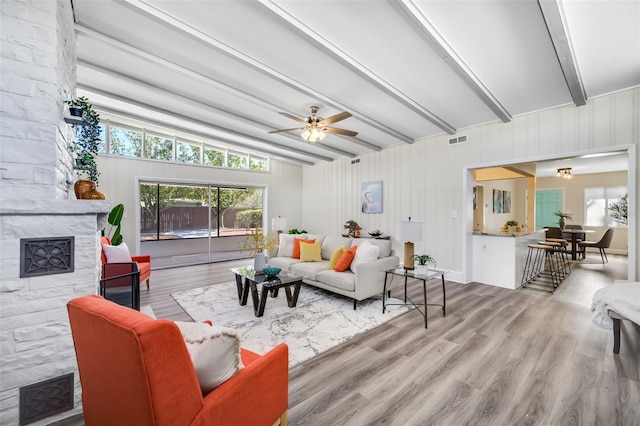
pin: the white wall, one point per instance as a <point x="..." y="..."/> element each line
<point x="494" y="221"/>
<point x="425" y="180"/>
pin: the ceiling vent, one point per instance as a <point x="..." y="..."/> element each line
<point x="459" y="139"/>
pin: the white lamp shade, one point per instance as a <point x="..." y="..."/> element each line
<point x="408" y="230"/>
<point x="279" y="224"/>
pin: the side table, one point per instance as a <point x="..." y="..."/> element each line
<point x="433" y="273"/>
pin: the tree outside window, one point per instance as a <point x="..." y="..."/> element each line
<point x="125" y="142"/>
<point x="158" y="148"/>
<point x="187" y="152"/>
<point x="213" y="157"/>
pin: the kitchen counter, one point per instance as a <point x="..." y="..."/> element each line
<point x="500" y="261"/>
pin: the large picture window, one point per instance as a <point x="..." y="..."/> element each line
<point x="178" y="211"/>
<point x="597" y="202"/>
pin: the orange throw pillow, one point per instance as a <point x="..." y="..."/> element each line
<point x="345" y="260"/>
<point x="296" y="246"/>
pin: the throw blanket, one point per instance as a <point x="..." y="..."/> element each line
<point x="623" y="299"/>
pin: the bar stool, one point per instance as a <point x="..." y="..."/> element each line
<point x="541" y="269"/>
<point x="559" y="250"/>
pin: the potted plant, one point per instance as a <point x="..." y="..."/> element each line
<point x="563" y="218"/>
<point x="85" y="147"/>
<point x="512" y="225"/>
<point x="422" y="263"/>
<point x="256" y="243"/>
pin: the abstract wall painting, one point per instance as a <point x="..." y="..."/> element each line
<point x="506" y="201"/>
<point x="497" y="201"/>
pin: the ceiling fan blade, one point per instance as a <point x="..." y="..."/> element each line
<point x="286" y="130"/>
<point x="339" y="131"/>
<point x="334" y="118"/>
<point x="293" y="117"/>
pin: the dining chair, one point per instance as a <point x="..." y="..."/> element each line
<point x="604" y="243"/>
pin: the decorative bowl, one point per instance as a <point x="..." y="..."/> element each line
<point x="271" y="271"/>
<point x="375" y="234"/>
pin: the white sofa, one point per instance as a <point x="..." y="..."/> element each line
<point x="364" y="281"/>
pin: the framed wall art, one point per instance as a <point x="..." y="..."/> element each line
<point x="371" y="197"/>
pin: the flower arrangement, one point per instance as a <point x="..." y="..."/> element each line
<point x="256" y="242"/>
<point x="563" y="215"/>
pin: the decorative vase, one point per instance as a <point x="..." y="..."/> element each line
<point x="259" y="262"/>
<point x="562" y="222"/>
<point x="86" y="190"/>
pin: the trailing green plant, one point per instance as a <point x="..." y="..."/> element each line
<point x="114" y="219"/>
<point x="423" y="259"/>
<point x="619" y="211"/>
<point x="85" y="147"/>
<point x="295" y="231"/>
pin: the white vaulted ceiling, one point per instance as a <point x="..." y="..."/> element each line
<point x="404" y="69"/>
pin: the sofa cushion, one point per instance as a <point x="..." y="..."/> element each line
<point x="366" y="252"/>
<point x="332" y="242"/>
<point x="335" y="256"/>
<point x="311" y="252"/>
<point x="117" y="254"/>
<point x="285" y="245"/>
<point x="345" y="259"/>
<point x="296" y="246"/>
<point x="316" y="237"/>
<point x="343" y="280"/>
<point x="309" y="270"/>
<point x="284" y="263"/>
<point x="385" y="245"/>
<point x="214" y="350"/>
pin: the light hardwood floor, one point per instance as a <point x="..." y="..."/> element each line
<point x="499" y="357"/>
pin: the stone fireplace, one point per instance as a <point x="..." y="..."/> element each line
<point x="43" y="228"/>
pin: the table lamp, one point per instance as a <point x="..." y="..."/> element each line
<point x="409" y="232"/>
<point x="279" y="224"/>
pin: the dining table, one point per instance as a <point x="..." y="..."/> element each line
<point x="575" y="234"/>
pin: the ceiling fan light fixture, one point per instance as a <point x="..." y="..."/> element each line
<point x="313" y="134"/>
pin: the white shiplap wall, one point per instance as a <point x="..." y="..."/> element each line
<point x="425" y="179"/>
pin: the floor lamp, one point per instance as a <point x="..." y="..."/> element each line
<point x="409" y="232"/>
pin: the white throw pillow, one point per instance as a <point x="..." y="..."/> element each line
<point x="117" y="254"/>
<point x="214" y="351"/>
<point x="366" y="253"/>
<point x="285" y="245"/>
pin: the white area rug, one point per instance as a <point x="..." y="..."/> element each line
<point x="320" y="321"/>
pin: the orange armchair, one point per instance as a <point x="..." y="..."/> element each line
<point x="143" y="260"/>
<point x="135" y="370"/>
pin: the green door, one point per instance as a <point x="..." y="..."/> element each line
<point x="548" y="201"/>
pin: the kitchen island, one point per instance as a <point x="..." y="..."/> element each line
<point x="499" y="257"/>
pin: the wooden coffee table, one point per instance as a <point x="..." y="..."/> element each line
<point x="247" y="279"/>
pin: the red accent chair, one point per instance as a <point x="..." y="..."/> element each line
<point x="144" y="262"/>
<point x="136" y="370"/>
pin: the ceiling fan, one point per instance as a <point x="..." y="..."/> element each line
<point x="315" y="127"/>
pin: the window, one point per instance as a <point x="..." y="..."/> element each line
<point x="125" y="142"/>
<point x="597" y="202"/>
<point x="187" y="152"/>
<point x="179" y="211"/>
<point x="213" y="157"/>
<point x="158" y="147"/>
<point x="257" y="163"/>
<point x="237" y="160"/>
